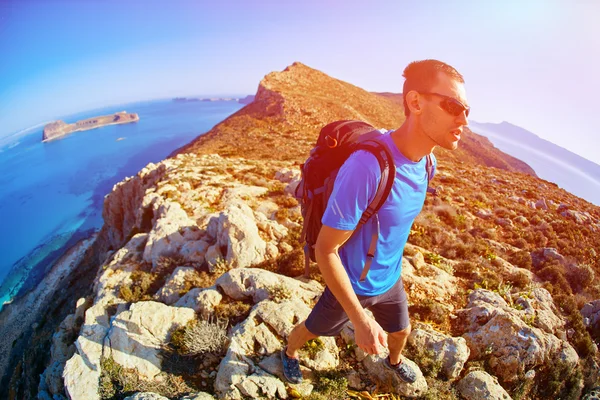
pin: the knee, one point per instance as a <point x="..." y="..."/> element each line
<point x="401" y="334"/>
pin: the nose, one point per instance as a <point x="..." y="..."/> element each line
<point x="462" y="118"/>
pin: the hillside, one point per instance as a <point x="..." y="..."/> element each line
<point x="291" y="107"/>
<point x="197" y="275"/>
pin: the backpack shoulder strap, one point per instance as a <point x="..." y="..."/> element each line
<point x="388" y="173"/>
<point x="429" y="169"/>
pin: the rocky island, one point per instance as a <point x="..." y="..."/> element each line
<point x="59" y="128"/>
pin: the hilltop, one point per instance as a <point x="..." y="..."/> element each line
<point x="290" y="107"/>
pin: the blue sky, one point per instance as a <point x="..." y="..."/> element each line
<point x="532" y="63"/>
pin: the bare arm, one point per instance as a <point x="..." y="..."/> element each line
<point x="368" y="333"/>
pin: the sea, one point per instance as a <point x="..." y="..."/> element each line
<point x="52" y="193"/>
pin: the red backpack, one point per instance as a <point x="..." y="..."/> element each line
<point x="336" y="142"/>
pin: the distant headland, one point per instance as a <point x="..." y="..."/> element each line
<point x="244" y="100"/>
<point x="57" y="129"/>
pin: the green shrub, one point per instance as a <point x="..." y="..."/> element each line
<point x="581" y="339"/>
<point x="466" y="269"/>
<point x="234" y="312"/>
<point x="521" y="259"/>
<point x="279" y="292"/>
<point x="199" y="337"/>
<point x="430" y="310"/>
<point x="329" y="385"/>
<point x="313" y="347"/>
<point x="140" y="289"/>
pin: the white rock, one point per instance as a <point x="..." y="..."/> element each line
<point x="146" y="396"/>
<point x="137" y="335"/>
<point x="202" y="301"/>
<point x="238" y="234"/>
<point x="194" y="251"/>
<point x="453" y="353"/>
<point x="169" y="293"/>
<point x="481" y="385"/>
<point x="81" y="379"/>
<point x="164" y="238"/>
<point x="242" y="283"/>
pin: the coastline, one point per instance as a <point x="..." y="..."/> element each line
<point x="18" y="317"/>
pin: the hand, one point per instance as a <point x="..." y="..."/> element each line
<point x="369" y="335"/>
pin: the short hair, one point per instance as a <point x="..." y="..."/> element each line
<point x="422" y="75"/>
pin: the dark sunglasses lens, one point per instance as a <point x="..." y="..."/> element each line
<point x="454" y="108"/>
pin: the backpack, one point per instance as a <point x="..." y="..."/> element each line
<point x="336" y="142"/>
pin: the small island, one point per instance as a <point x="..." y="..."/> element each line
<point x="57" y="129"/>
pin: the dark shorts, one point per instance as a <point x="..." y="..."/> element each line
<point x="390" y="310"/>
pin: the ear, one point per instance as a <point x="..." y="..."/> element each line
<point x="413" y="100"/>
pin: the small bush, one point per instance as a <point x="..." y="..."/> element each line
<point x="466" y="269"/>
<point x="234" y="312"/>
<point x="581" y="339"/>
<point x="521" y="259"/>
<point x="166" y="263"/>
<point x="141" y="287"/>
<point x="313" y="347"/>
<point x="199" y="337"/>
<point x="430" y="310"/>
<point x="581" y="277"/>
<point x="426" y="359"/>
<point x="279" y="292"/>
<point x="329" y="385"/>
<point x="519" y="279"/>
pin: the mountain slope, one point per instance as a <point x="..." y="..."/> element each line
<point x="290" y="108"/>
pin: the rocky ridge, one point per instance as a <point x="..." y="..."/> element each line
<point x="213" y="214"/>
<point x="290" y="107"/>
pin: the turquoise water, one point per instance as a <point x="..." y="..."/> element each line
<point x="52" y="193"/>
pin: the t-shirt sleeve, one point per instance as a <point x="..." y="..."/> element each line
<point x="354" y="188"/>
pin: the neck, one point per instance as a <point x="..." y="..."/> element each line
<point x="412" y="142"/>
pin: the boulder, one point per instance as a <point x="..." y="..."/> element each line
<point x="146" y="396"/>
<point x="258" y="336"/>
<point x="591" y="313"/>
<point x="198" y="396"/>
<point x="374" y="365"/>
<point x="428" y="282"/>
<point x="243" y="283"/>
<point x="137" y="335"/>
<point x="193" y="251"/>
<point x="236" y="232"/>
<point x="541" y="204"/>
<point x="164" y="238"/>
<point x="508" y="338"/>
<point x="81" y="380"/>
<point x="453" y="353"/>
<point x="202" y="301"/>
<point x="478" y="385"/>
<point x="175" y="284"/>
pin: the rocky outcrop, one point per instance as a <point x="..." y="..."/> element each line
<point x="451" y="353"/>
<point x="513" y="340"/>
<point x="57" y="129"/>
<point x="481" y="385"/>
<point x="137" y="335"/>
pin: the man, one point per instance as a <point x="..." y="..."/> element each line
<point x="436" y="111"/>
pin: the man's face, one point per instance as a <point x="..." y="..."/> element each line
<point x="437" y="120"/>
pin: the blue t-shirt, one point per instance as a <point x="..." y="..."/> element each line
<point x="354" y="188"/>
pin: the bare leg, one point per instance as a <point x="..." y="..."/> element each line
<point x="396" y="343"/>
<point x="297" y="338"/>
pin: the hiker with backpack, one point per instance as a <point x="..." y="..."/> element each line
<point x="360" y="193"/>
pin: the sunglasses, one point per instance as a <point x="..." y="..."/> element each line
<point x="451" y="105"/>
